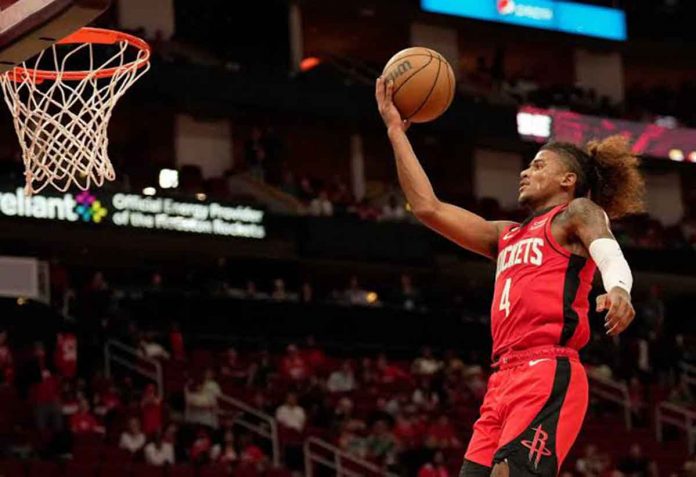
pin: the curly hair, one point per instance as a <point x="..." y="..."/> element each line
<point x="608" y="173"/>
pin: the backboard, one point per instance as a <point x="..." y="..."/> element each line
<point x="29" y="26"/>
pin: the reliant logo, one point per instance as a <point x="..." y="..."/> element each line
<point x="525" y="10"/>
<point x="38" y="207"/>
<point x="89" y="208"/>
<point x="506" y="7"/>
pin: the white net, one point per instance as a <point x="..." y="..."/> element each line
<point x="62" y="122"/>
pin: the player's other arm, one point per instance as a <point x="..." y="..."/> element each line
<point x="460" y="226"/>
<point x="590" y="224"/>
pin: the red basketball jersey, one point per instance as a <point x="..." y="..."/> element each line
<point x="541" y="289"/>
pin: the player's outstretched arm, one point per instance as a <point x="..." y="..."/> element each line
<point x="590" y="225"/>
<point x="460" y="226"/>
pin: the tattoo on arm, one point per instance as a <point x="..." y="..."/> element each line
<point x="588" y="221"/>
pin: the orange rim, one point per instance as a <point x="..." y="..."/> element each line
<point x="97" y="36"/>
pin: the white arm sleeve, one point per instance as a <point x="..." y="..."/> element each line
<point x="607" y="254"/>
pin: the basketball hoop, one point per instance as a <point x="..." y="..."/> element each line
<point x="61" y="112"/>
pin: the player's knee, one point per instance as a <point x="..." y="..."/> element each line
<point x="500" y="469"/>
<point x="472" y="469"/>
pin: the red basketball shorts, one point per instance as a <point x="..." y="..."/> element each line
<point x="532" y="412"/>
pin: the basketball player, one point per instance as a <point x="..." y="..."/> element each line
<point x="537" y="395"/>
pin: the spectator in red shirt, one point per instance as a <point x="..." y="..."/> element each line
<point x="314" y="356"/>
<point x="176" y="343"/>
<point x="388" y="373"/>
<point x="84" y="422"/>
<point x="151" y="408"/>
<point x="293" y="366"/>
<point x="441" y="434"/>
<point x="251" y="453"/>
<point x="232" y="367"/>
<point x="6" y="361"/>
<point x="107" y="403"/>
<point x="65" y="356"/>
<point x="46" y="397"/>
<point x="406" y="432"/>
<point x="436" y="468"/>
<point x="201" y="447"/>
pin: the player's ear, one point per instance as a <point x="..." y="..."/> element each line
<point x="569" y="179"/>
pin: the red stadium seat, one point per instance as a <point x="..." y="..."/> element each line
<point x="213" y="471"/>
<point x="44" y="469"/>
<point x="144" y="470"/>
<point x="181" y="470"/>
<point x="80" y="469"/>
<point x="12" y="468"/>
<point x="114" y="470"/>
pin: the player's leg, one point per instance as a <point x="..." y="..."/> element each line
<point x="472" y="469"/>
<point x="486" y="436"/>
<point x="543" y="418"/>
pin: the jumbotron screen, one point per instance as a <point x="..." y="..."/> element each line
<point x="564" y="16"/>
<point x="540" y="125"/>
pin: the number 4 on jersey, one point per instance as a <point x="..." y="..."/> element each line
<point x="505" y="298"/>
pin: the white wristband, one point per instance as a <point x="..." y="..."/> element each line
<point x="607" y="254"/>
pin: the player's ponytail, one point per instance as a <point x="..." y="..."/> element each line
<point x="607" y="172"/>
<point x="615" y="182"/>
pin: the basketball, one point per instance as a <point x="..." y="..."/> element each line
<point x="423" y="83"/>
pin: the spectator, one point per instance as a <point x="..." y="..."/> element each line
<point x="279" y="293"/>
<point x="107" y="403"/>
<point x="293" y="366"/>
<point x="436" y="468"/>
<point x="320" y="206"/>
<point x="314" y="356"/>
<point x="591" y="463"/>
<point x="306" y="293"/>
<point x="176" y="343"/>
<point x="225" y="453"/>
<point x="261" y="370"/>
<point x="354" y="294"/>
<point x="201" y="448"/>
<point x="159" y="453"/>
<point x="342" y="380"/>
<point x="388" y="373"/>
<point x="210" y="385"/>
<point x="201" y="403"/>
<point x="636" y="464"/>
<point x="232" y="367"/>
<point x="151" y="411"/>
<point x="425" y="397"/>
<point x="408" y="297"/>
<point x="291" y="415"/>
<point x="83" y="421"/>
<point x="426" y="364"/>
<point x="6" y="360"/>
<point x="392" y="210"/>
<point x="381" y="444"/>
<point x="46" y="398"/>
<point x="306" y="193"/>
<point x="133" y="438"/>
<point x="149" y="348"/>
<point x="251" y="453"/>
<point x="441" y="435"/>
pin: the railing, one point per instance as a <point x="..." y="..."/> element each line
<point x="119" y="353"/>
<point x="317" y="451"/>
<point x="678" y="416"/>
<point x="254" y="420"/>
<point x="612" y="391"/>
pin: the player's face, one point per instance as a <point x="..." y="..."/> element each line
<point x="541" y="179"/>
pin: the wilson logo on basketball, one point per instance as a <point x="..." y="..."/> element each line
<point x="402" y="68"/>
<point x="89" y="208"/>
<point x="506" y="7"/>
<point x="537" y="446"/>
